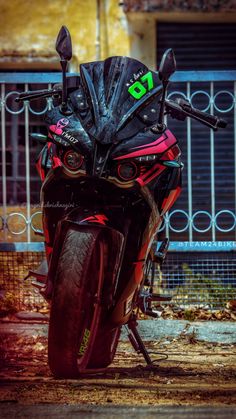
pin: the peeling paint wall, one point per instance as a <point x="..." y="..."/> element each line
<point x="179" y="5"/>
<point x="28" y="29"/>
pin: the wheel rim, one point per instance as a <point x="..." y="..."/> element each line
<point x="87" y="337"/>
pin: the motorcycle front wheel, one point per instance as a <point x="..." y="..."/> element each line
<point x="76" y="307"/>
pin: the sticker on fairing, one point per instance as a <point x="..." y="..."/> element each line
<point x="58" y="129"/>
<point x="84" y="343"/>
<point x="140" y="87"/>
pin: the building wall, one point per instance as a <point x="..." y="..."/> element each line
<point x="142" y="27"/>
<point x="205" y="6"/>
<point x="29" y="30"/>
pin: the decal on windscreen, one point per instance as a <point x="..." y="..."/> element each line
<point x="141" y="86"/>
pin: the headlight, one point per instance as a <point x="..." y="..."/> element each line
<point x="72" y="160"/>
<point x="127" y="171"/>
<point x="149" y="158"/>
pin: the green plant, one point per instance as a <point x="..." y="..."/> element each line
<point x="8" y="303"/>
<point x="189" y="315"/>
<point x="200" y="288"/>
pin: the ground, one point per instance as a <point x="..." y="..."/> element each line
<point x="195" y="373"/>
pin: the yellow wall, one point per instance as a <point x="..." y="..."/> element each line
<point x="28" y="29"/>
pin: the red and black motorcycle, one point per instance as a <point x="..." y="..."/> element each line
<point x="110" y="170"/>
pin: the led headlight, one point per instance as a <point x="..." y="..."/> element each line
<point x="127" y="171"/>
<point x="148" y="158"/>
<point x="72" y="160"/>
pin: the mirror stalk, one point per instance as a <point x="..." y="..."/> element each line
<point x="160" y="125"/>
<point x="166" y="69"/>
<point x="64" y="107"/>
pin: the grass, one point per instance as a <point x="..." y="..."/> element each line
<point x="200" y="289"/>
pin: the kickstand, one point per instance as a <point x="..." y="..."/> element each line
<point x="136" y="340"/>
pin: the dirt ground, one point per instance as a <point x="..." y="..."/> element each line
<point x="195" y="373"/>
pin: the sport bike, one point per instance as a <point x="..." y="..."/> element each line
<point x="110" y="170"/>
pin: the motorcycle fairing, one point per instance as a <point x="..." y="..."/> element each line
<point x="119" y="314"/>
<point x="43" y="161"/>
<point x="150" y="175"/>
<point x="107" y="125"/>
<point x="144" y="144"/>
<point x="69" y="129"/>
<point x="170" y="199"/>
<point x="95" y="219"/>
<point x="115" y="239"/>
<point x="103" y="109"/>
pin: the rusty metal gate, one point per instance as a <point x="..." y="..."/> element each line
<point x="202" y="223"/>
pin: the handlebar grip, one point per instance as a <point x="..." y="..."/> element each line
<point x="33" y="94"/>
<point x="222" y="123"/>
<point x="211" y="120"/>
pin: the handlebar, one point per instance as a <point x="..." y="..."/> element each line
<point x="36" y="94"/>
<point x="72" y="84"/>
<point x="180" y="109"/>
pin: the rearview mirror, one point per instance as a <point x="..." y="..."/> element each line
<point x="64" y="49"/>
<point x="167" y="65"/>
<point x="63" y="44"/>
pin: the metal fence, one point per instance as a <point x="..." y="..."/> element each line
<point x="200" y="279"/>
<point x="191" y="278"/>
<point x="15" y="292"/>
<point x="202" y="219"/>
<point x="206" y="209"/>
<point x="207" y="206"/>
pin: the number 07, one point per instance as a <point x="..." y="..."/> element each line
<point x="137" y="90"/>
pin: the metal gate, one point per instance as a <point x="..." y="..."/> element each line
<point x="204" y="217"/>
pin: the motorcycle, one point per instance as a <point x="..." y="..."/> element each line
<point x="110" y="170"/>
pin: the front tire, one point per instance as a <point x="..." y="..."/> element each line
<point x="76" y="302"/>
<point x="105" y="346"/>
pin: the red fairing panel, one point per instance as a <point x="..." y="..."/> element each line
<point x="159" y="146"/>
<point x="97" y="219"/>
<point x="56" y="162"/>
<point x="170" y="200"/>
<point x="172" y="153"/>
<point x="39" y="168"/>
<point x="151" y="174"/>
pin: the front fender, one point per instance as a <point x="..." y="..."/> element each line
<point x="85" y="217"/>
<point x="113" y="238"/>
